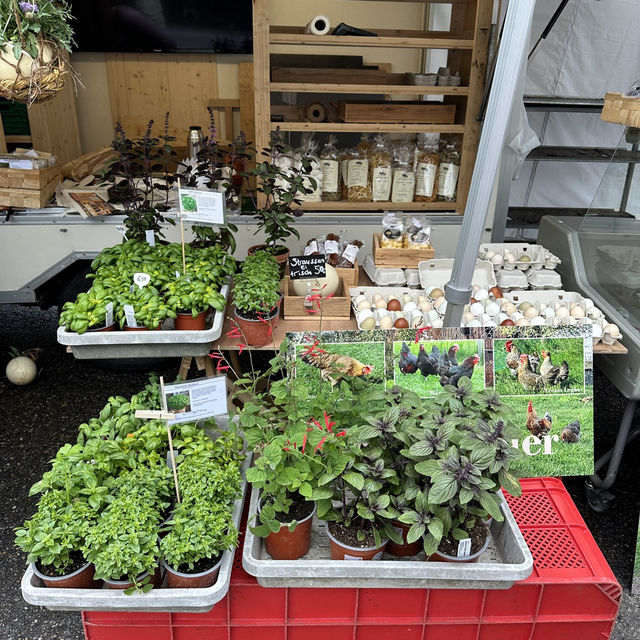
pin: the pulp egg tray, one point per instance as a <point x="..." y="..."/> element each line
<point x="544" y="279"/>
<point x="383" y="277"/>
<point x="437" y="272"/>
<point x="514" y="279"/>
<point x="414" y="307"/>
<point x="508" y="255"/>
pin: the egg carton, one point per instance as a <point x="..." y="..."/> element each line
<point x="508" y="280"/>
<point x="412" y="277"/>
<point x="544" y="279"/>
<point x="415" y="319"/>
<point x="437" y="272"/>
<point x="539" y="256"/>
<point x="383" y="277"/>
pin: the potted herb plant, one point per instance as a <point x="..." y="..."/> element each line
<point x="191" y="299"/>
<point x="34" y="42"/>
<point x="89" y="311"/>
<point x="200" y="528"/>
<point x="149" y="309"/>
<point x="256" y="298"/>
<point x="54" y="537"/>
<point x="276" y="200"/>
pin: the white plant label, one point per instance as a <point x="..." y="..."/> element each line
<point x="177" y="274"/>
<point x="464" y="548"/>
<point x="151" y="237"/>
<point x="130" y="315"/>
<point x="141" y="279"/>
<point x="399" y="531"/>
<point x="207" y="397"/>
<point x="122" y="230"/>
<point x="378" y="556"/>
<point x="108" y="317"/>
<point x="202" y="206"/>
<point x="348" y="557"/>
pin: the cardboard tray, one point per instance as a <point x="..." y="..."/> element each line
<point x="144" y="344"/>
<point x="506" y="561"/>
<point x="337" y="307"/>
<point x="398" y="258"/>
<point x="438" y="272"/>
<point x="180" y="600"/>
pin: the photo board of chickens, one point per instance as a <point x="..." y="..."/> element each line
<point x="544" y="374"/>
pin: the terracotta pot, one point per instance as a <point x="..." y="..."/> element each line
<point x="111" y="327"/>
<point x="406" y="549"/>
<point x="281" y="258"/>
<point x="186" y="322"/>
<point x="439" y="556"/>
<point x="256" y="332"/>
<point x="82" y="578"/>
<point x="178" y="580"/>
<point x="156" y="579"/>
<point x="290" y="545"/>
<point x="341" y="551"/>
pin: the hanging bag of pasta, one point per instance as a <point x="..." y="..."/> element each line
<point x="380" y="165"/>
<point x="404" y="179"/>
<point x="330" y="165"/>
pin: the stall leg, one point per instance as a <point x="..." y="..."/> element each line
<point x="596" y="489"/>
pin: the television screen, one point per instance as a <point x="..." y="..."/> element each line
<point x="163" y="25"/>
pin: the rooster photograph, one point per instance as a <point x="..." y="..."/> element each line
<point x="538" y="365"/>
<point x="426" y="367"/>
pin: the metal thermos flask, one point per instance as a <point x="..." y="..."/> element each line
<point x="195" y="141"/>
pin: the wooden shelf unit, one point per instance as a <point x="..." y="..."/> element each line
<point x="467" y="42"/>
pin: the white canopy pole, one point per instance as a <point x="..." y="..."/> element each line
<point x="512" y="53"/>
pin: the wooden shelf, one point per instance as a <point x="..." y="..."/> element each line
<point x="18" y="139"/>
<point x="341" y="205"/>
<point x="360" y="127"/>
<point x="386" y="38"/>
<point x="409" y="89"/>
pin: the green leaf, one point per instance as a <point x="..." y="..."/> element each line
<point x="436" y="528"/>
<point x="510" y="483"/>
<point x="415" y="533"/>
<point x="354" y="479"/>
<point x="443" y="489"/>
<point x="322" y="493"/>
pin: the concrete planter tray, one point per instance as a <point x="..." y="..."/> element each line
<point x="506" y="561"/>
<point x="144" y="344"/>
<point x="163" y="599"/>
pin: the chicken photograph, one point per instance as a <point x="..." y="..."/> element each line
<point x="537" y="426"/>
<point x="512" y="359"/>
<point x="465" y="370"/>
<point x="571" y="433"/>
<point x="408" y="363"/>
<point x="554" y="375"/>
<point x="334" y="366"/>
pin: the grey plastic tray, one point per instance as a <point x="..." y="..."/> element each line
<point x="144" y="344"/>
<point x="163" y="599"/>
<point x="506" y="561"/>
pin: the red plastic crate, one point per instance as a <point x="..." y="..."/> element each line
<point x="571" y="595"/>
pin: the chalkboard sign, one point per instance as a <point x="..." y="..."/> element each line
<point x="307" y="267"/>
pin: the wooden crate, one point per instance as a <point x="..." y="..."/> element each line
<point x="28" y="198"/>
<point x="397" y="112"/>
<point x="34" y="179"/>
<point x="621" y="110"/>
<point x="398" y="258"/>
<point x="349" y="276"/>
<point x="336" y="308"/>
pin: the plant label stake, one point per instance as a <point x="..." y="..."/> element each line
<point x="180" y="215"/>
<point x="164" y="415"/>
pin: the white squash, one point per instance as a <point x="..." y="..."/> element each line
<point x="331" y="280"/>
<point x="21" y="370"/>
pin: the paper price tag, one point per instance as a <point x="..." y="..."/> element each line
<point x="108" y="318"/>
<point x="464" y="548"/>
<point x="130" y="315"/>
<point x="151" y="237"/>
<point x="141" y="279"/>
<point x="122" y="230"/>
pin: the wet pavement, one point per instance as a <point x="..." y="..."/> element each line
<point x="38" y="419"/>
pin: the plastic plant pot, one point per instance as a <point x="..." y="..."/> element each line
<point x="405" y="549"/>
<point x="186" y="321"/>
<point x="341" y="551"/>
<point x="257" y="332"/>
<point x="111" y="327"/>
<point x="128" y="328"/>
<point x="82" y="578"/>
<point x="156" y="579"/>
<point x="179" y="580"/>
<point x="290" y="545"/>
<point x="439" y="556"/>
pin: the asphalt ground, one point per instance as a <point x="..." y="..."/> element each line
<point x="39" y="418"/>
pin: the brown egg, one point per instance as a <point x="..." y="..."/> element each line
<point x="507" y="323"/>
<point x="401" y="323"/>
<point x="496" y="291"/>
<point x="472" y="300"/>
<point x="394" y="305"/>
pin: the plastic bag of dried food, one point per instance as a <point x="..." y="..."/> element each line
<point x="332" y="249"/>
<point x="313" y="181"/>
<point x="358" y="178"/>
<point x="448" y="174"/>
<point x="392" y="231"/>
<point x="330" y="165"/>
<point x="311" y="248"/>
<point x="380" y="167"/>
<point x="350" y="254"/>
<point x="404" y="180"/>
<point x="427" y="161"/>
<point x="365" y="146"/>
<point x="418" y="232"/>
<point x="345" y="156"/>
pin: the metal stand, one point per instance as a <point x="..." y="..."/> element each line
<point x="632" y="136"/>
<point x="596" y="489"/>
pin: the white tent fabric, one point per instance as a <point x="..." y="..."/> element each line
<point x="593" y="48"/>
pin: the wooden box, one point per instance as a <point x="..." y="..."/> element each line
<point x="349" y="276"/>
<point x="398" y="258"/>
<point x="336" y="308"/>
<point x="32" y="188"/>
<point x="621" y="110"/>
<point x="397" y="112"/>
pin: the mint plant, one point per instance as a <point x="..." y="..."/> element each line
<point x="255" y="289"/>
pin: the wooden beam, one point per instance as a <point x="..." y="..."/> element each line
<point x="247" y="110"/>
<point x="408" y="89"/>
<point x="360" y="126"/>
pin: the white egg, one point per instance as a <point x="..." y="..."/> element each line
<point x="376" y="297"/>
<point x="496" y="259"/>
<point x="474" y="323"/>
<point x="510" y="258"/>
<point x="442" y="309"/>
<point x="476" y="308"/>
<point x="438" y="302"/>
<point x="508" y="307"/>
<point x="359" y="299"/>
<point x="612" y="330"/>
<point x="537" y="321"/>
<point x="488" y="255"/>
<point x="430" y="288"/>
<point x="410" y="306"/>
<point x="573" y="304"/>
<point x="530" y="312"/>
<point x="577" y="312"/>
<point x="422" y="299"/>
<point x="484" y="318"/>
<point x="492" y="308"/>
<point x="522" y="322"/>
<point x="406" y="298"/>
<point x="425" y="306"/>
<point x="381" y="304"/>
<point x="437" y="323"/>
<point x="562" y="312"/>
<point x="596" y="330"/>
<point x="547" y="312"/>
<point x="386" y="322"/>
<point x="432" y="316"/>
<point x="363" y="304"/>
<point x="467" y="317"/>
<point x="481" y="294"/>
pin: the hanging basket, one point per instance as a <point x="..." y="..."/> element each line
<point x="30" y="80"/>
